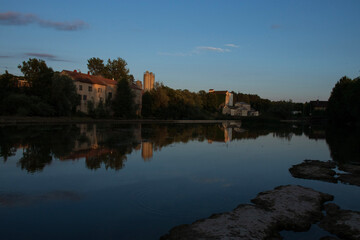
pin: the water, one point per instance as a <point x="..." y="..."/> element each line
<point x="112" y="181"/>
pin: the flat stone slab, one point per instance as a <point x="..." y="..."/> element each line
<point x="284" y="208"/>
<point x="324" y="171"/>
<point x="315" y="169"/>
<point x="343" y="223"/>
<point x="352" y="179"/>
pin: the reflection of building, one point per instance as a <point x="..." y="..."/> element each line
<point x="88" y="139"/>
<point x="98" y="89"/>
<point x="227" y="134"/>
<point x="149" y="80"/>
<point x="147" y="150"/>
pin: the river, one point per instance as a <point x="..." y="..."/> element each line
<point x="137" y="181"/>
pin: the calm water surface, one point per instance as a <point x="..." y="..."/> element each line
<point x="108" y="181"/>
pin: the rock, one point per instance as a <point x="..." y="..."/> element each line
<point x="351" y="168"/>
<point x="284" y="208"/>
<point x="353" y="179"/>
<point x="343" y="223"/>
<point x="315" y="169"/>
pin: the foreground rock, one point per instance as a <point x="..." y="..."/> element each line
<point x="315" y="169"/>
<point x="343" y="223"/>
<point x="324" y="171"/>
<point x="284" y="208"/>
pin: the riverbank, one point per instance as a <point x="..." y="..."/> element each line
<point x="63" y="120"/>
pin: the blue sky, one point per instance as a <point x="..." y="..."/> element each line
<point x="277" y="49"/>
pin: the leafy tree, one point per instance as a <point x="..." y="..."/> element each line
<point x="117" y="69"/>
<point x="123" y="104"/>
<point x="344" y="101"/>
<point x="7" y="86"/>
<point x="114" y="69"/>
<point x="39" y="75"/>
<point x="146" y="104"/>
<point x="96" y="66"/>
<point x="63" y="95"/>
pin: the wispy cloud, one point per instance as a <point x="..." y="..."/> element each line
<point x="213" y="49"/>
<point x="2" y="56"/>
<point x="231" y="45"/>
<point x="275" y="26"/>
<point x="45" y="56"/>
<point x="198" y="50"/>
<point x="16" y="18"/>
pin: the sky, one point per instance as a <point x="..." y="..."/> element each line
<point x="277" y="49"/>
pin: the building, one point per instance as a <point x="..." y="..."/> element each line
<point x="226" y="97"/>
<point x="244" y="105"/>
<point x="96" y="88"/>
<point x="139" y="84"/>
<point x="149" y="81"/>
<point x="241" y="109"/>
<point x="318" y="105"/>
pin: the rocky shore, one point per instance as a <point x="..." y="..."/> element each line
<point x="289" y="207"/>
<point x="284" y="208"/>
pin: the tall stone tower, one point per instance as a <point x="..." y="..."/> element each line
<point x="149" y="80"/>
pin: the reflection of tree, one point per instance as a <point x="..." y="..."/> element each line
<point x="113" y="160"/>
<point x="40" y="143"/>
<point x="164" y="135"/>
<point x="107" y="145"/>
<point x="35" y="158"/>
<point x="7" y="150"/>
<point x="344" y="144"/>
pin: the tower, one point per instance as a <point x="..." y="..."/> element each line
<point x="149" y="80"/>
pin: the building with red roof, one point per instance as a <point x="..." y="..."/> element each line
<point x="96" y="88"/>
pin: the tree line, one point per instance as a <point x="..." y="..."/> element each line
<point x="164" y="102"/>
<point x="49" y="93"/>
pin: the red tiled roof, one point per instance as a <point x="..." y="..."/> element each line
<point x="91" y="79"/>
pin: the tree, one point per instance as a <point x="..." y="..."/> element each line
<point x="39" y="75"/>
<point x="344" y="102"/>
<point x="114" y="69"/>
<point x="160" y="97"/>
<point x="123" y="104"/>
<point x="146" y="110"/>
<point x="63" y="95"/>
<point x="7" y="86"/>
<point x="117" y="69"/>
<point x="96" y="66"/>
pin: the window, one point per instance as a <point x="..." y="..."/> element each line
<point x="80" y="87"/>
<point x="90" y="88"/>
<point x="99" y="90"/>
<point x="84" y="97"/>
<point x="110" y="95"/>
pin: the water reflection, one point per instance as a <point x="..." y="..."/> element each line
<point x="20" y="199"/>
<point x="344" y="144"/>
<point x="108" y="145"/>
